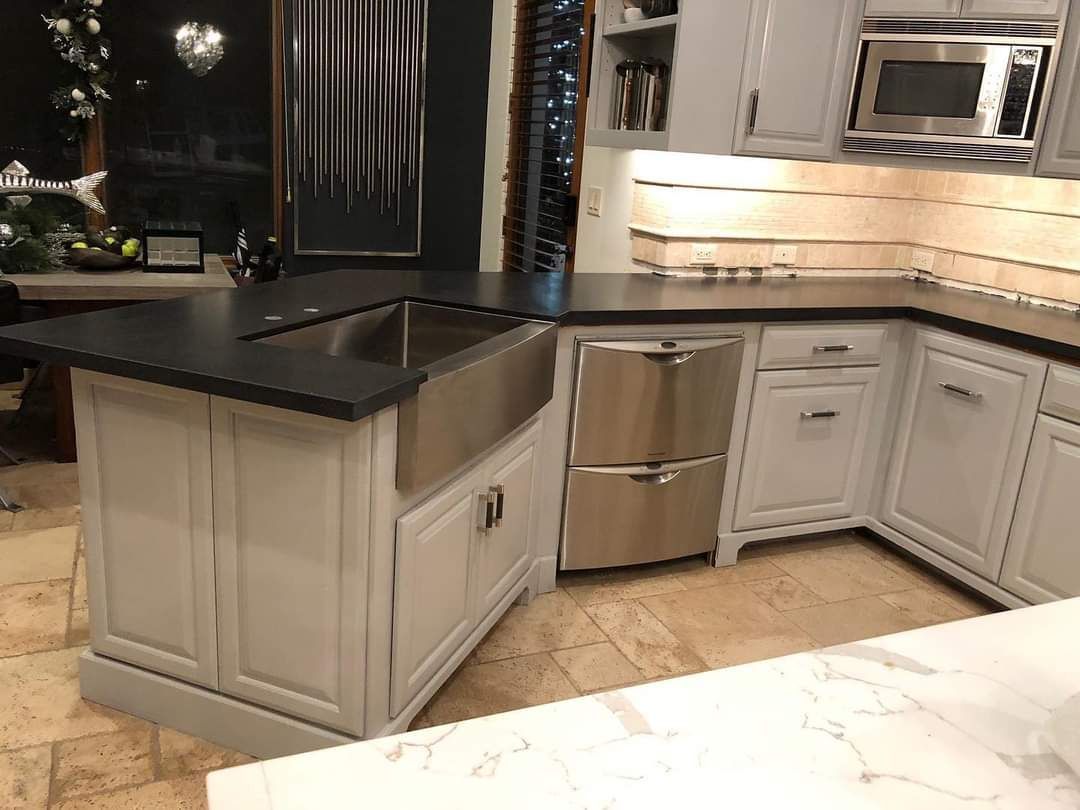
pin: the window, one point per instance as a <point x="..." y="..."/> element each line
<point x="547" y="114"/>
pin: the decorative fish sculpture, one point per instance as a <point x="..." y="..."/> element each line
<point x="18" y="186"/>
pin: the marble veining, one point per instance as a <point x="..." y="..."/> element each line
<point x="980" y="713"/>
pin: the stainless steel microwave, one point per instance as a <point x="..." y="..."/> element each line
<point x="951" y="88"/>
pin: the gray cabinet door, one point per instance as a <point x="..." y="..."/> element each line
<point x="798" y="71"/>
<point x="805" y="446"/>
<point x="144" y="471"/>
<point x="967" y="413"/>
<point x="1014" y="9"/>
<point x="291" y="523"/>
<point x="432" y="588"/>
<point x="913" y="8"/>
<point x="503" y="553"/>
<point x="1059" y="155"/>
<point x="1042" y="562"/>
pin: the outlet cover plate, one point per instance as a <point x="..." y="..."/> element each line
<point x="594" y="201"/>
<point x="702" y="254"/>
<point x="922" y="260"/>
<point x="784" y="254"/>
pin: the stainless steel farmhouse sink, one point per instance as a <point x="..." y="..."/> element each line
<point x="487" y="374"/>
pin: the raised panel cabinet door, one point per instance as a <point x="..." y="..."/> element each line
<point x="504" y="553"/>
<point x="966" y="419"/>
<point x="432" y="586"/>
<point x="913" y="8"/>
<point x="1014" y="9"/>
<point x="291" y="503"/>
<point x="1042" y="561"/>
<point x="1059" y="154"/>
<point x="799" y="60"/>
<point x="805" y="446"/>
<point x="145" y="480"/>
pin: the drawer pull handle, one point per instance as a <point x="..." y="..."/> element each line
<point x="839" y="347"/>
<point x="499" y="491"/>
<point x="656" y="480"/>
<point x="819" y="414"/>
<point x="964" y="392"/>
<point x="486" y="520"/>
<point x="668" y="359"/>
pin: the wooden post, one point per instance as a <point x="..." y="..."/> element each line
<point x="93" y="160"/>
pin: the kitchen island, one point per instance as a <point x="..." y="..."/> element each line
<point x="983" y="712"/>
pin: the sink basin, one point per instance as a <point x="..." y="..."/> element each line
<point x="487" y="375"/>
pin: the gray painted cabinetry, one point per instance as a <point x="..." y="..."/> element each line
<point x="796" y="77"/>
<point x="1059" y="155"/>
<point x="913" y="8"/>
<point x="987" y="9"/>
<point x="966" y="419"/>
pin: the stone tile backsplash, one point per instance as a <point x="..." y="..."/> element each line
<point x="1007" y="235"/>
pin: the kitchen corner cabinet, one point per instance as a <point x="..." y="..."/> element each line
<point x="458" y="554"/>
<point x="805" y="446"/>
<point x="1059" y="155"/>
<point x="796" y="77"/>
<point x="1042" y="562"/>
<point x="144" y="474"/>
<point x="291" y="523"/>
<point x="958" y="456"/>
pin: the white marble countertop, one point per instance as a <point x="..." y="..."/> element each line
<point x="982" y="713"/>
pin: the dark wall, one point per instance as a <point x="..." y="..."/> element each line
<point x="458" y="54"/>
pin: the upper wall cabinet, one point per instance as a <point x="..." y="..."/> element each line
<point x="991" y="9"/>
<point x="913" y="8"/>
<point x="796" y="77"/>
<point x="1060" y="152"/>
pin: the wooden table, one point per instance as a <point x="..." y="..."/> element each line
<point x="70" y="292"/>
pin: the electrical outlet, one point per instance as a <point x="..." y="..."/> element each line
<point x="922" y="260"/>
<point x="703" y="254"/>
<point x="594" y="204"/>
<point x="784" y="254"/>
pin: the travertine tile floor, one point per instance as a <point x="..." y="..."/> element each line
<point x="597" y="631"/>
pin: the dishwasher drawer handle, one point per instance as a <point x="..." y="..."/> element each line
<point x="964" y="392"/>
<point x="819" y="414"/>
<point x="657" y="480"/>
<point x="665" y="359"/>
<point x="838" y="347"/>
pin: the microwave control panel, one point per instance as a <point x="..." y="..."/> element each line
<point x="1019" y="92"/>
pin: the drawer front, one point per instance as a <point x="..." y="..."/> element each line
<point x="627" y="515"/>
<point x="1062" y="395"/>
<point x="961" y="442"/>
<point x="805" y="446"/>
<point x="640" y="400"/>
<point x="814" y="345"/>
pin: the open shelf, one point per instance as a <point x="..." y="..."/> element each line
<point x="644" y="28"/>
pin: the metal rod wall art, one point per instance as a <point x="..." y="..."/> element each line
<point x="359" y="99"/>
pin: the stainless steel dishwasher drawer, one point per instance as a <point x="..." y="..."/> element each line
<point x="640" y="400"/>
<point x="642" y="513"/>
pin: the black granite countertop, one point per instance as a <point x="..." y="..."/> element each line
<point x="199" y="342"/>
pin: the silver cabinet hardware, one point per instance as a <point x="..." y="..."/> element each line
<point x="964" y="392"/>
<point x="751" y="119"/>
<point x="839" y="347"/>
<point x="665" y="359"/>
<point x="657" y="480"/>
<point x="819" y="414"/>
<point x="498" y="492"/>
<point x="485" y="520"/>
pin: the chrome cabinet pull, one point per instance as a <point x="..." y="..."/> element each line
<point x="751" y="118"/>
<point x="485" y="521"/>
<point x="819" y="414"/>
<point x="964" y="392"/>
<point x="499" y="493"/>
<point x="839" y="347"/>
<point x="656" y="480"/>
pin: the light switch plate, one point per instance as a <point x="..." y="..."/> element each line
<point x="784" y="254"/>
<point x="703" y="254"/>
<point x="922" y="260"/>
<point x="594" y="202"/>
